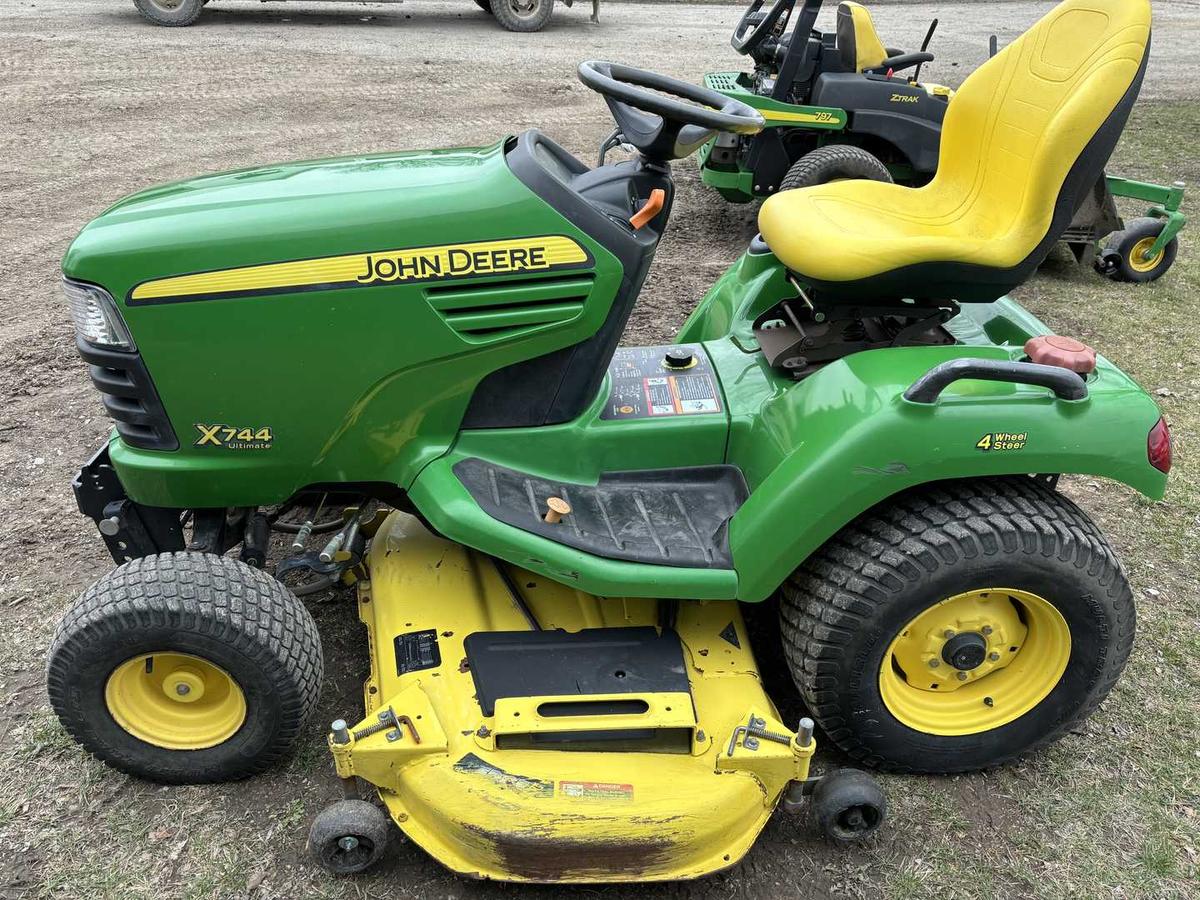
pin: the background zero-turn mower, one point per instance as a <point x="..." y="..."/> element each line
<point x="561" y="685"/>
<point x="843" y="105"/>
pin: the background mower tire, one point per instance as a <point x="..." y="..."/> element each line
<point x="836" y="162"/>
<point x="905" y="631"/>
<point x="186" y="668"/>
<point x="172" y="13"/>
<point x="348" y="837"/>
<point x="1122" y="258"/>
<point x="522" y="15"/>
<point x="485" y="5"/>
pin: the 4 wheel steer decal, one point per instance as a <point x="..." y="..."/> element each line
<point x="516" y="256"/>
<point x="1002" y="440"/>
<point x="232" y="437"/>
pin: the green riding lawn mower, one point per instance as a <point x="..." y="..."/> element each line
<point x="551" y="540"/>
<point x="843" y="105"/>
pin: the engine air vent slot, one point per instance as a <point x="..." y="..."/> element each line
<point x="498" y="310"/>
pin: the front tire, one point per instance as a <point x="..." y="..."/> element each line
<point x="186" y="668"/>
<point x="958" y="626"/>
<point x="834" y="162"/>
<point x="522" y="15"/>
<point x="172" y="13"/>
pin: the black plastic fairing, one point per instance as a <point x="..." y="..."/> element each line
<point x="558" y="386"/>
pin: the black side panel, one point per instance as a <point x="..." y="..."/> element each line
<point x="918" y="140"/>
<point x="558" y="386"/>
<point x="129" y="397"/>
<point x="969" y="283"/>
<point x="574" y="664"/>
<point x="667" y="517"/>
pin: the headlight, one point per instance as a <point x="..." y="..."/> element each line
<point x="96" y="318"/>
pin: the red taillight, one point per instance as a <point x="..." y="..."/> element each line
<point x="1158" y="446"/>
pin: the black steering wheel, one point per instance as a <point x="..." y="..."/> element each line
<point x="756" y="26"/>
<point x="662" y="117"/>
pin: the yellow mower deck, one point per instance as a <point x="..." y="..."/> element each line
<point x="550" y="815"/>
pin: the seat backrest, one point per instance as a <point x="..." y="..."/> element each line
<point x="1029" y="133"/>
<point x="857" y="41"/>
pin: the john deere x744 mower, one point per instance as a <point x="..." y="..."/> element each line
<point x="561" y="686"/>
<point x="842" y="105"/>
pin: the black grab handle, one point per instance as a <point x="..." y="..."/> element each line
<point x="1067" y="385"/>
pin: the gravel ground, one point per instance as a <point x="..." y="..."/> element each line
<point x="95" y="103"/>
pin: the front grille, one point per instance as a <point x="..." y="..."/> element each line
<point x="129" y="397"/>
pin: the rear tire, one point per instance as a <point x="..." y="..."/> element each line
<point x="522" y="15"/>
<point x="186" y="668"/>
<point x="834" y="162"/>
<point x="1013" y="552"/>
<point x="172" y="13"/>
<point x="1123" y="257"/>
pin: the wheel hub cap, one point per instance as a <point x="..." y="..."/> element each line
<point x="965" y="651"/>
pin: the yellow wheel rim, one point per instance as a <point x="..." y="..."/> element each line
<point x="1137" y="257"/>
<point x="175" y="700"/>
<point x="975" y="661"/>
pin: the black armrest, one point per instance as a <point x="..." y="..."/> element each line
<point x="1067" y="385"/>
<point x="904" y="61"/>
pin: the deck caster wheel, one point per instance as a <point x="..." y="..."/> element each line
<point x="1125" y="255"/>
<point x="848" y="805"/>
<point x="348" y="837"/>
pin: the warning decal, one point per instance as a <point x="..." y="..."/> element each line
<point x="643" y="385"/>
<point x="595" y="790"/>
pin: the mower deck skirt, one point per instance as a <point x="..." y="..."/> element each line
<point x="645" y="782"/>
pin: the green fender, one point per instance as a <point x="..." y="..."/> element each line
<point x="819" y="453"/>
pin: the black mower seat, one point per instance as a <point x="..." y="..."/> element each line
<point x="1025" y="139"/>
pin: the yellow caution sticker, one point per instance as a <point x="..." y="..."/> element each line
<point x="416" y="264"/>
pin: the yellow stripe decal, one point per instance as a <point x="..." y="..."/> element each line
<point x="448" y="261"/>
<point x="817" y="118"/>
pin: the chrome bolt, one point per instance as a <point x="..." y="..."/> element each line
<point x="483" y="731"/>
<point x="804" y="732"/>
<point x="750" y="743"/>
<point x="348" y="843"/>
<point x="948" y="633"/>
<point x="182" y="689"/>
<point x="934" y="663"/>
<point x="986" y="629"/>
<point x="340" y="731"/>
<point x="109" y="526"/>
<point x="393" y="735"/>
<point x="994" y="656"/>
<point x="701" y="737"/>
<point x="988" y="701"/>
<point x="962" y="676"/>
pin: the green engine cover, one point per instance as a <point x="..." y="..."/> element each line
<point x="338" y="313"/>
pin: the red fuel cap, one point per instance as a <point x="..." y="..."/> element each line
<point x="1065" y="352"/>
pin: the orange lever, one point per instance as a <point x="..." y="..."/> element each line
<point x="650" y="208"/>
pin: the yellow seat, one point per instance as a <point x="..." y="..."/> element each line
<point x="1026" y="137"/>
<point x="857" y="40"/>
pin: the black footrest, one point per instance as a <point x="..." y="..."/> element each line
<point x="669" y="517"/>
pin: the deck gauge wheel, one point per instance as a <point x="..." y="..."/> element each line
<point x="348" y="837"/>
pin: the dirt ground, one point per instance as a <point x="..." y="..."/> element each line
<point x="95" y="103"/>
